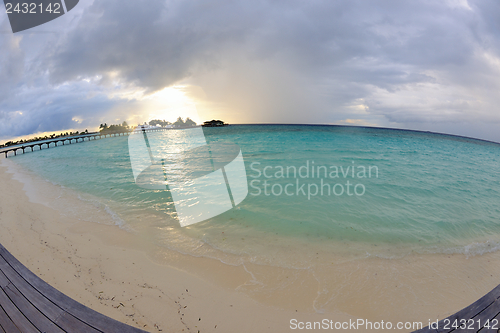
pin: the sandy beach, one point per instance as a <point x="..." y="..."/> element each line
<point x="100" y="266"/>
<point x="112" y="271"/>
<point x="251" y="167"/>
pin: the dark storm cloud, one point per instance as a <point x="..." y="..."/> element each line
<point x="47" y="109"/>
<point x="11" y="61"/>
<point x="150" y="43"/>
<point x="413" y="64"/>
<point x="155" y="43"/>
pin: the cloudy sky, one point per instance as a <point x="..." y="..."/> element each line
<point x="426" y="65"/>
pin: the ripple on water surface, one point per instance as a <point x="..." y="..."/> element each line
<point x="339" y="190"/>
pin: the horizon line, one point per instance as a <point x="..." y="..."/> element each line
<point x="380" y="127"/>
<point x="345" y="125"/>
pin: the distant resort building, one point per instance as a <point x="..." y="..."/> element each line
<point x="146" y="126"/>
<point x="143" y="127"/>
<point x="214" y="123"/>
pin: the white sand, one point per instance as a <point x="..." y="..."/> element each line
<point x="109" y="270"/>
<point x="97" y="265"/>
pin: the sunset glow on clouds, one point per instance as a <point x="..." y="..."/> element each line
<point x="422" y="65"/>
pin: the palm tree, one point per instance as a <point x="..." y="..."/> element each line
<point x="189" y="122"/>
<point x="179" y="122"/>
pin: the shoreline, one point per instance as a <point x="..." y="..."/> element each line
<point x="112" y="271"/>
<point x="104" y="268"/>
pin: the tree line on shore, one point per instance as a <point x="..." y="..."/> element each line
<point x="124" y="127"/>
<point x="105" y="129"/>
<point x="178" y="123"/>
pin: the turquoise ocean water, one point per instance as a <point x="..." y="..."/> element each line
<point x="345" y="190"/>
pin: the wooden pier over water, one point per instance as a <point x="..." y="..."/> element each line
<point x="45" y="144"/>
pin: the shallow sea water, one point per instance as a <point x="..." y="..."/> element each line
<point x="348" y="190"/>
<point x="330" y="209"/>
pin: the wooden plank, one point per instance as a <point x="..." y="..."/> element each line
<point x="467" y="313"/>
<point x="83" y="313"/>
<point x="489" y="330"/>
<point x="6" y="323"/>
<point x="23" y="324"/>
<point x="483" y="317"/>
<point x="4" y="282"/>
<point x="494" y="325"/>
<point x="56" y="314"/>
<point x="68" y="322"/>
<point x="100" y="321"/>
<point x="478" y="306"/>
<point x="37" y="318"/>
<point x="43" y="304"/>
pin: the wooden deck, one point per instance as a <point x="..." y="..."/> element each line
<point x="28" y="304"/>
<point x="475" y="318"/>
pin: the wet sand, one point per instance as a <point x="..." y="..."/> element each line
<point x="115" y="272"/>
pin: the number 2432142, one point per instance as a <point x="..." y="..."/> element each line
<point x="33" y="8"/>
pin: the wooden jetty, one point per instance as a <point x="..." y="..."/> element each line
<point x="482" y="316"/>
<point x="72" y="139"/>
<point x="29" y="305"/>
